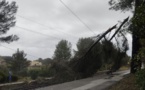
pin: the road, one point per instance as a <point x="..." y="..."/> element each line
<point x="99" y="82"/>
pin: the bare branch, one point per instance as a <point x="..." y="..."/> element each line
<point x="125" y="20"/>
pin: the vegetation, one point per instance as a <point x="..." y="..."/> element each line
<point x="33" y="73"/>
<point x="136" y="27"/>
<point x="64" y="70"/>
<point x="83" y="45"/>
<point x="127" y="83"/>
<point x="100" y="56"/>
<point x="4" y="78"/>
<point x="91" y="54"/>
<point x="63" y="51"/>
<point x="7" y="20"/>
<point x="140" y="79"/>
<point x="19" y="63"/>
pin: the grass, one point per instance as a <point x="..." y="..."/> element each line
<point x="124" y="68"/>
<point x="127" y="83"/>
<point x="23" y="79"/>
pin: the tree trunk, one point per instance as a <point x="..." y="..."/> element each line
<point x="135" y="49"/>
<point x="135" y="64"/>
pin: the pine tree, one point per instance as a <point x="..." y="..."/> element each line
<point x="19" y="62"/>
<point x="82" y="46"/>
<point x="135" y="27"/>
<point x="62" y="51"/>
<point x="7" y="20"/>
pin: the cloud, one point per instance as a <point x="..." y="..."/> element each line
<point x="46" y="22"/>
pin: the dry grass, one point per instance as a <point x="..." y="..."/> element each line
<point x="128" y="83"/>
<point x="124" y="68"/>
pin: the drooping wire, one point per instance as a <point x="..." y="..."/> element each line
<point x="35" y="32"/>
<point x="48" y="36"/>
<point x="15" y="50"/>
<point x="78" y="18"/>
<point x="46" y="26"/>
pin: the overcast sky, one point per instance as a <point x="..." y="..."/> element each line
<point x="41" y="24"/>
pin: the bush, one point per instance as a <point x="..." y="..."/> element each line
<point x="34" y="73"/>
<point x="23" y="73"/>
<point x="14" y="78"/>
<point x="2" y="77"/>
<point x="62" y="73"/>
<point x="45" y="72"/>
<point x="5" y="78"/>
<point x="40" y="80"/>
<point x="140" y="79"/>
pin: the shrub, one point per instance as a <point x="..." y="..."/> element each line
<point x="5" y="78"/>
<point x="45" y="72"/>
<point x="2" y="77"/>
<point x="62" y="73"/>
<point x="23" y="73"/>
<point x="40" y="80"/>
<point x="140" y="79"/>
<point x="14" y="78"/>
<point x="34" y="73"/>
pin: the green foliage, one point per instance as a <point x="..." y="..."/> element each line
<point x="7" y="20"/>
<point x="89" y="64"/>
<point x="62" y="72"/>
<point x="83" y="45"/>
<point x="136" y="26"/>
<point x="7" y="59"/>
<point x="108" y="47"/>
<point x="123" y="5"/>
<point x="14" y="78"/>
<point x="116" y="58"/>
<point x="139" y="21"/>
<point x="41" y="72"/>
<point x="34" y="73"/>
<point x="46" y="61"/>
<point x="63" y="51"/>
<point x="19" y="63"/>
<point x="4" y="69"/>
<point x="140" y="79"/>
<point x="45" y="72"/>
<point x="103" y="55"/>
<point x="2" y="77"/>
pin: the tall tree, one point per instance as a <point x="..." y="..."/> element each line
<point x="87" y="64"/>
<point x="83" y="46"/>
<point x="7" y="20"/>
<point x="114" y="59"/>
<point x="19" y="62"/>
<point x="137" y="31"/>
<point x="62" y="51"/>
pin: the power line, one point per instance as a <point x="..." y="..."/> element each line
<point x="35" y="32"/>
<point x="38" y="33"/>
<point x="45" y="25"/>
<point x="78" y="18"/>
<point x="15" y="50"/>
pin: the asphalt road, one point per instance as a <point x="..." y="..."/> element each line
<point x="98" y="82"/>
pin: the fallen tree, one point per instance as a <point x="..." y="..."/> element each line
<point x="89" y="64"/>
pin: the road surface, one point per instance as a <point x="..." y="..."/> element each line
<point x="99" y="82"/>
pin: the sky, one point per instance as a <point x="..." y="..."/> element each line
<point x="41" y="24"/>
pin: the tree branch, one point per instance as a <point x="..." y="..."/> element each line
<point x="125" y="20"/>
<point x="109" y="30"/>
